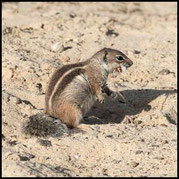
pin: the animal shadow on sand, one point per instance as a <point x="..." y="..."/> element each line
<point x="114" y="112"/>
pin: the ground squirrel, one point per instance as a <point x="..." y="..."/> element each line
<point x="73" y="88"/>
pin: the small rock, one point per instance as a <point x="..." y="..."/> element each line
<point x="148" y="108"/>
<point x="163" y="125"/>
<point x="172" y="117"/>
<point x="45" y="143"/>
<point x="12" y="143"/>
<point x="76" y="156"/>
<point x="42" y="26"/>
<point x="3" y="136"/>
<point x="162" y="56"/>
<point x="24" y="158"/>
<point x="134" y="164"/>
<point x="72" y="15"/>
<point x="15" y="100"/>
<point x="39" y="88"/>
<point x="142" y="140"/>
<point x="139" y="152"/>
<point x="7" y="30"/>
<point x="164" y="141"/>
<point x="110" y="136"/>
<point x="136" y="52"/>
<point x="164" y="72"/>
<point x="57" y="47"/>
<point x="138" y="122"/>
<point x="18" y="101"/>
<point x="26" y="28"/>
<point x="105" y="171"/>
<point x="111" y="33"/>
<point x="154" y="145"/>
<point x="11" y="30"/>
<point x="159" y="158"/>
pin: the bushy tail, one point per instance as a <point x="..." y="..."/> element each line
<point x="42" y="125"/>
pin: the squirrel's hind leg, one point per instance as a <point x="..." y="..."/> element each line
<point x="70" y="114"/>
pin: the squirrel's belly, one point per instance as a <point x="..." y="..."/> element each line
<point x="85" y="93"/>
<point x="87" y="104"/>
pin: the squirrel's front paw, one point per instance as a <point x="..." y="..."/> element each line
<point x="100" y="98"/>
<point x="118" y="96"/>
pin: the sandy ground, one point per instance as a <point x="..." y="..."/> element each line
<point x="136" y="139"/>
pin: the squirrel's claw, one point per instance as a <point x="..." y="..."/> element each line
<point x="100" y="98"/>
<point x="118" y="96"/>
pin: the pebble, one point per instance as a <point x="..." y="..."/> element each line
<point x="110" y="136"/>
<point x="26" y="158"/>
<point x="136" y="52"/>
<point x="15" y="100"/>
<point x="57" y="47"/>
<point x="76" y="156"/>
<point x="111" y="33"/>
<point x="164" y="72"/>
<point x="12" y="143"/>
<point x="139" y="152"/>
<point x="105" y="171"/>
<point x="134" y="164"/>
<point x="164" y="125"/>
<point x="45" y="143"/>
<point x="23" y="158"/>
<point x="72" y="15"/>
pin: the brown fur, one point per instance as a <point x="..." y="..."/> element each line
<point x="69" y="114"/>
<point x="73" y="88"/>
<point x="56" y="76"/>
<point x="94" y="78"/>
<point x="65" y="81"/>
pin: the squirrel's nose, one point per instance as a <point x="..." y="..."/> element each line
<point x="128" y="63"/>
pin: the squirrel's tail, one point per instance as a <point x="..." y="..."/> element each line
<point x="42" y="125"/>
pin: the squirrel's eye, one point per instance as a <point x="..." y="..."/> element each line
<point x="119" y="58"/>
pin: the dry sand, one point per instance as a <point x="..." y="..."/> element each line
<point x="136" y="139"/>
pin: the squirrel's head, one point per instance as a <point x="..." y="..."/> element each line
<point x="113" y="60"/>
<point x="116" y="61"/>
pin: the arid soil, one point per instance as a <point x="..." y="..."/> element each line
<point x="138" y="138"/>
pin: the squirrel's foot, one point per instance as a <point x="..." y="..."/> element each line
<point x="100" y="98"/>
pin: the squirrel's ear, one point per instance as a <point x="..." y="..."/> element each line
<point x="105" y="56"/>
